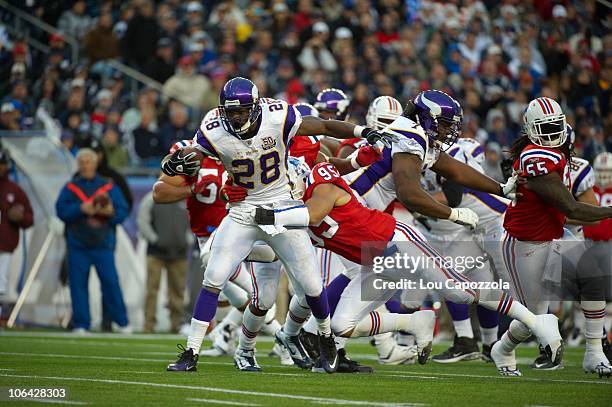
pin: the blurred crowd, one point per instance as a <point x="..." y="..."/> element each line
<point x="494" y="56"/>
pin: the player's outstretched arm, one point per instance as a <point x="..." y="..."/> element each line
<point x="550" y="187"/>
<point x="313" y="126"/>
<point x="588" y="197"/>
<point x="465" y="175"/>
<point x="324" y="198"/>
<point x="170" y="189"/>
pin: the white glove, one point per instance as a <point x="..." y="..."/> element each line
<point x="243" y="214"/>
<point x="509" y="187"/>
<point x="464" y="216"/>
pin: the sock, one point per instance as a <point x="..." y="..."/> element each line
<point x="464" y="328"/>
<point x="384" y="344"/>
<point x="487" y="317"/>
<point x="234" y="317"/>
<point x="334" y="291"/>
<point x="320" y="310"/>
<point x="251" y="324"/>
<point x="594" y="314"/>
<point x="489" y="335"/>
<point x="340" y="342"/>
<point x="517" y="332"/>
<point x="296" y="315"/>
<point x="311" y="325"/>
<point x="376" y="323"/>
<point x="270" y="328"/>
<point x="197" y="331"/>
<point x="206" y="305"/>
<point x="458" y="312"/>
<point x="506" y="305"/>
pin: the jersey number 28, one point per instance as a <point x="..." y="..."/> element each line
<point x="269" y="170"/>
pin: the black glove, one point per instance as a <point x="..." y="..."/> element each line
<point x="177" y="165"/>
<point x="264" y="216"/>
<point x="506" y="167"/>
<point x="375" y="136"/>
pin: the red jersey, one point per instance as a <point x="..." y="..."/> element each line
<point x="531" y="218"/>
<point x="346" y="227"/>
<point x="307" y="147"/>
<point x="603" y="230"/>
<point x="351" y="142"/>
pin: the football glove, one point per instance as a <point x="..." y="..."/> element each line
<point x="375" y="137"/>
<point x="366" y="155"/>
<point x="233" y="193"/>
<point x="464" y="216"/>
<point x="177" y="165"/>
<point x="508" y="189"/>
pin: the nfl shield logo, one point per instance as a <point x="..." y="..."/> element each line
<point x="268" y="143"/>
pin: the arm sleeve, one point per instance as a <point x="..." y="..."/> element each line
<point x="68" y="206"/>
<point x="453" y="193"/>
<point x="144" y="219"/>
<point x="119" y="204"/>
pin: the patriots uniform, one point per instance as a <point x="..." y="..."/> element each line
<point x="306" y="147"/>
<point x="257" y="164"/>
<point x="603" y="230"/>
<point x="531" y="218"/>
<point x="375" y="183"/>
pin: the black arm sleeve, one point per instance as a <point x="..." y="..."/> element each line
<point x="453" y="193"/>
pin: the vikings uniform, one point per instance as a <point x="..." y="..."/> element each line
<point x="582" y="178"/>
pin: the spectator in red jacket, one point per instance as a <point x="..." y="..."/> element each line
<point x="15" y="214"/>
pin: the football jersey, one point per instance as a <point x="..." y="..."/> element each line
<point x="306" y="147"/>
<point x="375" y="183"/>
<point x="346" y="227"/>
<point x="603" y="230"/>
<point x="582" y="179"/>
<point x="206" y="209"/>
<point x="258" y="164"/>
<point x="531" y="218"/>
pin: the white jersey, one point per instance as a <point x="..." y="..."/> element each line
<point x="258" y="164"/>
<point x="375" y="183"/>
<point x="582" y="179"/>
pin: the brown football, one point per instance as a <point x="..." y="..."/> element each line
<point x="184" y="152"/>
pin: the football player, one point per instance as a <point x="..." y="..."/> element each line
<point x="250" y="137"/>
<point x="534" y="221"/>
<point x="332" y="104"/>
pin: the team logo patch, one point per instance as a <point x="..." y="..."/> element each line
<point x="268" y="143"/>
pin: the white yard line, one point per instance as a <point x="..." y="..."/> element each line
<point x="149" y="337"/>
<point x="383" y="373"/>
<point x="228" y="403"/>
<point x="495" y="376"/>
<point x="211" y="389"/>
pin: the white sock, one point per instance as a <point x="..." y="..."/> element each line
<point x="340" y="342"/>
<point x="296" y="316"/>
<point x="464" y="328"/>
<point x="197" y="331"/>
<point x="251" y="324"/>
<point x="489" y="335"/>
<point x="311" y="325"/>
<point x="377" y="323"/>
<point x="516" y="333"/>
<point x="594" y="314"/>
<point x="324" y="326"/>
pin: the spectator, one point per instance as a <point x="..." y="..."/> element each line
<point x="165" y="227"/>
<point x="75" y="22"/>
<point x="492" y="162"/>
<point x="101" y="43"/>
<point x="140" y="39"/>
<point x="147" y="143"/>
<point x="16" y="214"/>
<point x="496" y="126"/>
<point x="115" y="152"/>
<point x="161" y="66"/>
<point x="91" y="207"/>
<point x="315" y="54"/>
<point x="9" y="117"/>
<point x="186" y="85"/>
<point x="176" y="128"/>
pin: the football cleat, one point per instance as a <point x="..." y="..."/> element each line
<point x="422" y="327"/>
<point x="282" y="353"/>
<point x="463" y="348"/>
<point x="399" y="355"/>
<point x="607" y="349"/>
<point x="187" y="361"/>
<point x="345" y="365"/>
<point x="328" y="354"/>
<point x="310" y="342"/>
<point x="543" y="362"/>
<point x="505" y="362"/>
<point x="596" y="362"/>
<point x="486" y="353"/>
<point x="547" y="331"/>
<point x="244" y="360"/>
<point x="294" y="347"/>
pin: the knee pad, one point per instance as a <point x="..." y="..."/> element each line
<point x="341" y="324"/>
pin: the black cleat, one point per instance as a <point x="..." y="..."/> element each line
<point x="486" y="352"/>
<point x="346" y="365"/>
<point x="295" y="348"/>
<point x="311" y="344"/>
<point x="543" y="362"/>
<point x="187" y="361"/>
<point x="463" y="348"/>
<point x="607" y="348"/>
<point x="329" y="356"/>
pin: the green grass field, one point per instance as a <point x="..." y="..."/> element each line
<point x="120" y="370"/>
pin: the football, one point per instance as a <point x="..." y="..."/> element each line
<point x="186" y="151"/>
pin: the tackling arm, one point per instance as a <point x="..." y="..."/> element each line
<point x="550" y="187"/>
<point x="588" y="197"/>
<point x="465" y="175"/>
<point x="170" y="189"/>
<point x="324" y="198"/>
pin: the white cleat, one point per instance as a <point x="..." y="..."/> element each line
<point x="422" y="325"/>
<point x="244" y="360"/>
<point x="213" y="352"/>
<point x="505" y="362"/>
<point x="596" y="362"/>
<point x="400" y="355"/>
<point x="283" y="354"/>
<point x="547" y="332"/>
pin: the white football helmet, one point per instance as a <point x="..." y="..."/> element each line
<point x="545" y="123"/>
<point x="298" y="171"/>
<point x="603" y="169"/>
<point x="382" y="111"/>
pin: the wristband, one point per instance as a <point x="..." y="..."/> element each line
<point x="354" y="162"/>
<point x="357" y="130"/>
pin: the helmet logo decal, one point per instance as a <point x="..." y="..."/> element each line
<point x="434" y="108"/>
